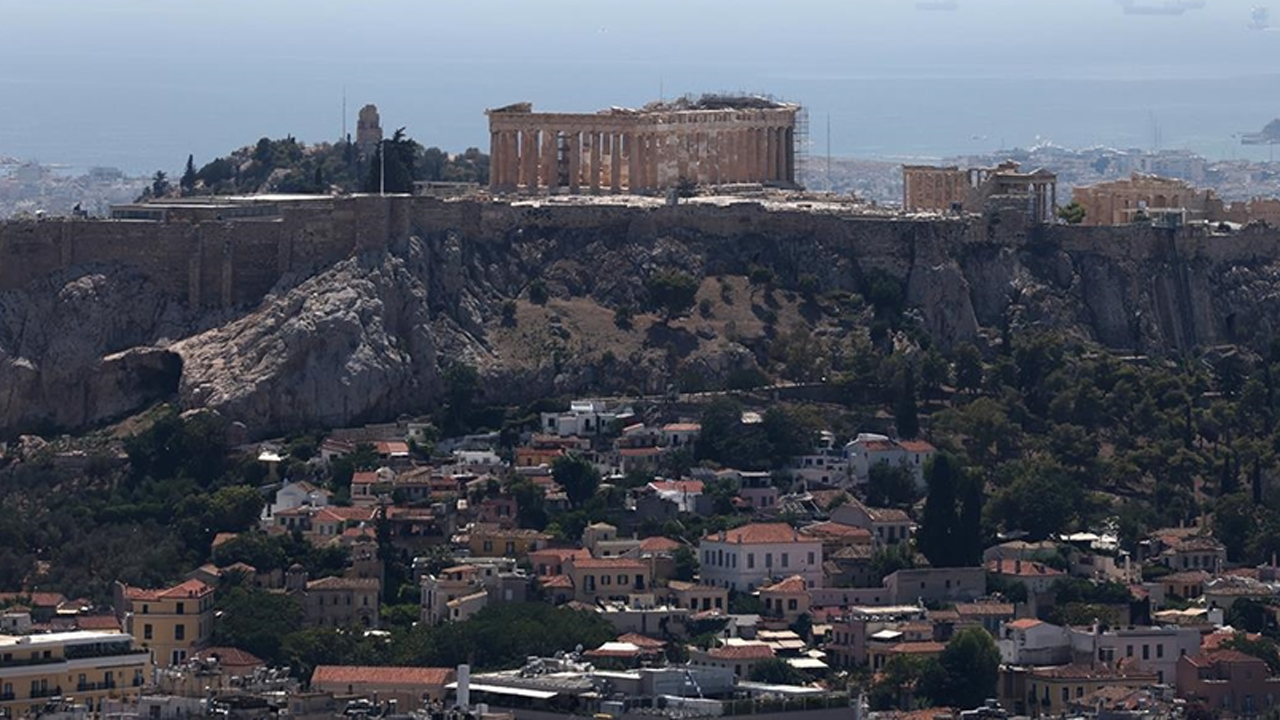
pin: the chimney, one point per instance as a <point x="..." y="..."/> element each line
<point x="464" y="686"/>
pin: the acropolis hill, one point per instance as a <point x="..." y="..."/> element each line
<point x="290" y="312"/>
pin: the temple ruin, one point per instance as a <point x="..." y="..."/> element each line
<point x="1004" y="187"/>
<point x="714" y="140"/>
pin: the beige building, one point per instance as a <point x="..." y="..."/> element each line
<point x="1119" y="202"/>
<point x="608" y="578"/>
<point x="336" y="601"/>
<point x="171" y="622"/>
<point x="408" y="686"/>
<point x="87" y="665"/>
<point x="714" y="140"/>
<point x="1003" y="187"/>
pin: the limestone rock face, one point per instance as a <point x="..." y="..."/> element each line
<point x="77" y="348"/>
<point x="354" y="342"/>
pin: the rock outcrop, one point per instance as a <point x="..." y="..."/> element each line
<point x="369" y="337"/>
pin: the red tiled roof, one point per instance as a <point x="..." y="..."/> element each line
<point x="916" y="446"/>
<point x="640" y="452"/>
<point x="793" y="584"/>
<point x="923" y="647"/>
<point x="986" y="608"/>
<point x="1024" y="624"/>
<point x="35" y="599"/>
<point x="223" y="537"/>
<point x="560" y="582"/>
<point x="758" y="534"/>
<point x="368" y="477"/>
<point x="693" y="487"/>
<point x="230" y="657"/>
<point x="837" y="530"/>
<point x="613" y="563"/>
<point x="391" y="447"/>
<point x="560" y="554"/>
<point x="1231" y="656"/>
<point x="1024" y="568"/>
<point x="387" y="676"/>
<point x="189" y="589"/>
<point x="682" y="427"/>
<point x="1080" y="672"/>
<point x="657" y="543"/>
<point x="879" y="445"/>
<point x="641" y="641"/>
<point x="742" y="652"/>
<point x="341" y="583"/>
<point x="98" y="622"/>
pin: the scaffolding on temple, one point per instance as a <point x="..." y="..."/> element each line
<point x="801" y="148"/>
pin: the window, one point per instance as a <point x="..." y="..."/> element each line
<point x="622" y="579"/>
<point x="146" y="609"/>
<point x="179" y="632"/>
<point x="810" y="558"/>
<point x="488" y="546"/>
<point x="786" y="559"/>
<point x="768" y="560"/>
<point x="511" y="547"/>
<point x="1128" y="651"/>
<point x="792" y="604"/>
<point x="1066" y="694"/>
<point x="1160" y="650"/>
<point x="1146" y="652"/>
<point x="606" y="579"/>
<point x="751" y="560"/>
<point x="146" y="631"/>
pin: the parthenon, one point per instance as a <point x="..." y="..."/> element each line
<point x="715" y="140"/>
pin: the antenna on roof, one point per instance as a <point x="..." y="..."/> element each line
<point x="344" y="114"/>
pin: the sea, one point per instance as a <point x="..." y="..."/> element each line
<point x="140" y="85"/>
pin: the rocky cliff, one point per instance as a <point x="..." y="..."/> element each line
<point x="366" y="338"/>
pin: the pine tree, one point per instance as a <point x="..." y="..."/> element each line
<point x="938" y="526"/>
<point x="905" y="412"/>
<point x="188" y="180"/>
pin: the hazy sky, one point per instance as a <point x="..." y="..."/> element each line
<point x="140" y="83"/>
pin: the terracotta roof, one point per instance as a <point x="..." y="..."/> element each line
<point x="793" y="584"/>
<point x="682" y="427"/>
<point x="924" y="647"/>
<point x="35" y="599"/>
<point x="1080" y="672"/>
<point x="1193" y="544"/>
<point x="758" y="534"/>
<point x="983" y="609"/>
<point x="230" y="657"/>
<point x="879" y="445"/>
<point x="837" y="530"/>
<point x="368" y="477"/>
<point x="388" y="676"/>
<point x="391" y="447"/>
<point x="642" y="641"/>
<point x="560" y="554"/>
<point x="189" y="589"/>
<point x="1231" y="656"/>
<point x="561" y="582"/>
<point x="657" y="543"/>
<point x="98" y="622"/>
<point x="853" y="552"/>
<point x="916" y="446"/>
<point x="1188" y="576"/>
<point x="892" y="515"/>
<point x="693" y="487"/>
<point x="351" y="514"/>
<point x="613" y="563"/>
<point x="742" y="652"/>
<point x="1021" y="568"/>
<point x="640" y="452"/>
<point x="223" y="537"/>
<point x="1024" y="624"/>
<point x="1215" y="639"/>
<point x="341" y="583"/>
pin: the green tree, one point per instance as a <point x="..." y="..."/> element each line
<point x="1263" y="648"/>
<point x="906" y="416"/>
<point x="1073" y="213"/>
<point x="577" y="476"/>
<point x="686" y="564"/>
<point x="256" y="621"/>
<point x="891" y="485"/>
<point x="969" y="668"/>
<point x="940" y="534"/>
<point x="968" y="368"/>
<point x="188" y="180"/>
<point x="159" y="184"/>
<point x="234" y="508"/>
<point x="776" y="671"/>
<point x="397" y="173"/>
<point x="672" y="293"/>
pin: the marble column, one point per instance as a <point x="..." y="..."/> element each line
<point x="789" y="148"/>
<point x="615" y="161"/>
<point x="529" y="160"/>
<point x="771" y="154"/>
<point x="595" y="146"/>
<point x="575" y="161"/>
<point x="550" y="171"/>
<point x="632" y="141"/>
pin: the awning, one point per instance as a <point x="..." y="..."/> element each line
<point x="503" y="690"/>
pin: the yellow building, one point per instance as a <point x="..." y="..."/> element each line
<point x="171" y="622"/>
<point x="487" y="540"/>
<point x="86" y="665"/>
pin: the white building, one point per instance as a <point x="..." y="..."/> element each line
<point x="1033" y="642"/>
<point x="295" y="495"/>
<point x="1149" y="648"/>
<point x="750" y="556"/>
<point x="683" y="493"/>
<point x="867" y="450"/>
<point x="824" y="464"/>
<point x="584" y="418"/>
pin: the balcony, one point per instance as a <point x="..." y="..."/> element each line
<point x="6" y="697"/>
<point x="54" y="691"/>
<point x="91" y="687"/>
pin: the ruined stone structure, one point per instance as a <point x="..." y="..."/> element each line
<point x="711" y="141"/>
<point x="368" y="128"/>
<point x="1174" y="201"/>
<point x="981" y="190"/>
